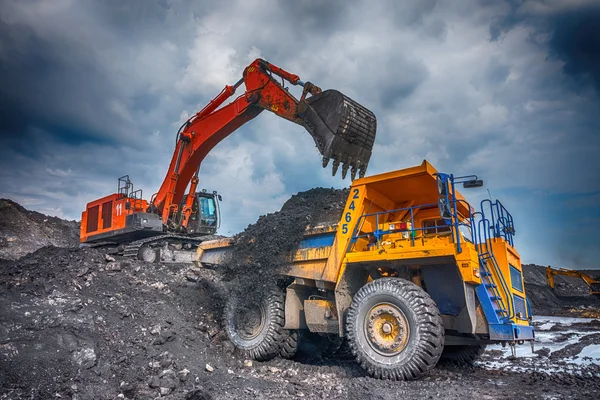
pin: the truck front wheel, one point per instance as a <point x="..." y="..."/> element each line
<point x="394" y="329"/>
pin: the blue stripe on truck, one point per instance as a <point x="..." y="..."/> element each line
<point x="323" y="240"/>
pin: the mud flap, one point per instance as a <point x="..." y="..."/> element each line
<point x="343" y="130"/>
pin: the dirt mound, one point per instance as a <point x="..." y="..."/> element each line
<point x="80" y="324"/>
<point x="570" y="296"/>
<point x="23" y="231"/>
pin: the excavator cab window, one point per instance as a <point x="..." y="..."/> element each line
<point x="208" y="210"/>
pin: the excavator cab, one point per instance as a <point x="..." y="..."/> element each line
<point x="205" y="218"/>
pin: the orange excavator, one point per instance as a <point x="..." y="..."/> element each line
<point x="592" y="283"/>
<point x="178" y="215"/>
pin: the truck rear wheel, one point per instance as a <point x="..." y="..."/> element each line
<point x="394" y="329"/>
<point x="289" y="348"/>
<point x="462" y="355"/>
<point x="255" y="324"/>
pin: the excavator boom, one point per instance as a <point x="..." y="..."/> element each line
<point x="342" y="129"/>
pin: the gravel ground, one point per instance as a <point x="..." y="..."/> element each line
<point x="78" y="324"/>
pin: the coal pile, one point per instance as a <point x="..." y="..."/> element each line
<point x="262" y="249"/>
<point x="79" y="324"/>
<point x="23" y="231"/>
<point x="570" y="296"/>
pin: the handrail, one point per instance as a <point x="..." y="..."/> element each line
<point x="502" y="220"/>
<point x="483" y="249"/>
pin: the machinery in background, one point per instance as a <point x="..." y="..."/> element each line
<point x="177" y="215"/>
<point x="592" y="283"/>
<point x="411" y="273"/>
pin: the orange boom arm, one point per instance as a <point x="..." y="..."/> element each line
<point x="346" y="138"/>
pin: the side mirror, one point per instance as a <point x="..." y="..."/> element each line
<point x="442" y="185"/>
<point x="444" y="208"/>
<point x="219" y="197"/>
<point x="473" y="183"/>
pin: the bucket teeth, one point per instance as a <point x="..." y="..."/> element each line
<point x="344" y="170"/>
<point x="334" y="169"/>
<point x="325" y="162"/>
<point x="362" y="172"/>
<point x="353" y="172"/>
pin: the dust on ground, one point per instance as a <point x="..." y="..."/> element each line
<point x="78" y="324"/>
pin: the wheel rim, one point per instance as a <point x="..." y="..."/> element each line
<point x="250" y="321"/>
<point x="386" y="329"/>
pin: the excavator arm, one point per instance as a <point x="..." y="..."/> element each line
<point x="592" y="283"/>
<point x="343" y="131"/>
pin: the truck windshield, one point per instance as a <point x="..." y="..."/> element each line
<point x="208" y="211"/>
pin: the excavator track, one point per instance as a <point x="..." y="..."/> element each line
<point x="132" y="250"/>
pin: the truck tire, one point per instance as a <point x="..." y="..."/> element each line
<point x="289" y="348"/>
<point x="255" y="325"/>
<point x="462" y="355"/>
<point x="394" y="329"/>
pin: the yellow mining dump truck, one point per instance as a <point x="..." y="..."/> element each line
<point x="410" y="274"/>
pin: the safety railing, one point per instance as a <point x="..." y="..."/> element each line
<point x="124" y="186"/>
<point x="135" y="200"/>
<point x="502" y="220"/>
<point x="380" y="217"/>
<point x="481" y="227"/>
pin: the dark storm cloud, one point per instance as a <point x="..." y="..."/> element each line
<point x="576" y="41"/>
<point x="574" y="29"/>
<point x="53" y="84"/>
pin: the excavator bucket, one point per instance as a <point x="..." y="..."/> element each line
<point x="343" y="130"/>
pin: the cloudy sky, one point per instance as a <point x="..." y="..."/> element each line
<point x="507" y="90"/>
